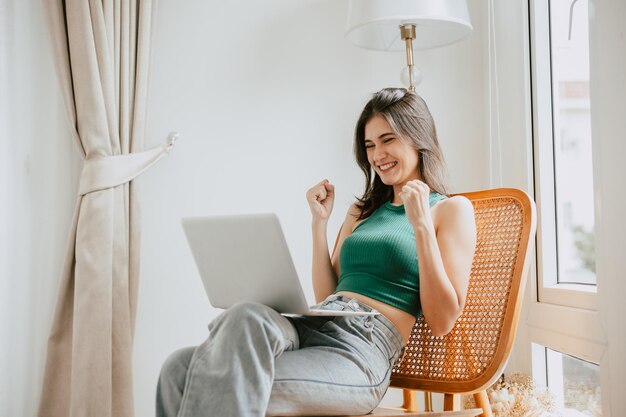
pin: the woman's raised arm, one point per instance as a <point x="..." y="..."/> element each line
<point x="445" y="260"/>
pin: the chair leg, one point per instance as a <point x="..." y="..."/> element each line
<point x="451" y="402"/>
<point x="428" y="401"/>
<point x="409" y="402"/>
<point x="482" y="401"/>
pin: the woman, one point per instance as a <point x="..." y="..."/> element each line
<point x="257" y="362"/>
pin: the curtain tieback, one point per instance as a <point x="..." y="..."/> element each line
<point x="106" y="172"/>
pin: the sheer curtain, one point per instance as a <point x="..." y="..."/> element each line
<point x="102" y="50"/>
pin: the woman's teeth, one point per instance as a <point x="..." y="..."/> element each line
<point x="387" y="166"/>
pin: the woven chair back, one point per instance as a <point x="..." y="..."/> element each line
<point x="472" y="356"/>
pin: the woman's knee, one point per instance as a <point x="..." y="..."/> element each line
<point x="177" y="363"/>
<point x="246" y="319"/>
<point x="248" y="311"/>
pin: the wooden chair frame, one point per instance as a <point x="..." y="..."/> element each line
<point x="506" y="225"/>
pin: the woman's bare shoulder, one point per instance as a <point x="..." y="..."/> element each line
<point x="457" y="202"/>
<point x="352" y="217"/>
<point x="453" y="209"/>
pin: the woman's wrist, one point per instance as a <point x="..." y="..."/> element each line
<point x="318" y="224"/>
<point x="423" y="227"/>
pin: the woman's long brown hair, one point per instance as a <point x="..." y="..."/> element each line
<point x="409" y="117"/>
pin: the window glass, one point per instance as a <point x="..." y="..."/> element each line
<point x="569" y="45"/>
<point x="575" y="383"/>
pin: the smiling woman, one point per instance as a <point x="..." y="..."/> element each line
<point x="257" y="362"/>
<point x="396" y="127"/>
<point x="405" y="215"/>
<point x="392" y="158"/>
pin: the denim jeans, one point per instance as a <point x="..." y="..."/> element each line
<point x="257" y="362"/>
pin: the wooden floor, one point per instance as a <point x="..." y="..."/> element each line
<point x="397" y="412"/>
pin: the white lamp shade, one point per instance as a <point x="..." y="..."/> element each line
<point x="373" y="24"/>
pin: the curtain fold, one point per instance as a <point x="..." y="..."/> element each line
<point x="102" y="50"/>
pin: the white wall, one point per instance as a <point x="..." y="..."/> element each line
<point x="39" y="172"/>
<point x="4" y="209"/>
<point x="265" y="104"/>
<point x="511" y="131"/>
<point x="266" y="107"/>
<point x="608" y="95"/>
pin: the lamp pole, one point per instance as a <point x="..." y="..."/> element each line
<point x="407" y="32"/>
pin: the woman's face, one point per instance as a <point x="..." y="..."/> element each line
<point x="393" y="159"/>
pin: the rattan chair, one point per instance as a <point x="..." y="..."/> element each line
<point x="473" y="355"/>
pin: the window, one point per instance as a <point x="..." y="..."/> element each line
<point x="562" y="136"/>
<point x="564" y="327"/>
<point x="573" y="174"/>
<point x="575" y="383"/>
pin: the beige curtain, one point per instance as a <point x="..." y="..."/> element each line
<point x="102" y="50"/>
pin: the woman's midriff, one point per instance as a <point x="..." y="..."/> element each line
<point x="401" y="319"/>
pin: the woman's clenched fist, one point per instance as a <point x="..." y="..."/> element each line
<point x="321" y="198"/>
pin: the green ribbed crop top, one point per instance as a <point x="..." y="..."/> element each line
<point x="379" y="259"/>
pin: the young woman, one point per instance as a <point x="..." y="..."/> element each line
<point x="405" y="249"/>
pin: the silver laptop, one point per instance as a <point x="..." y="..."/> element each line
<point x="246" y="258"/>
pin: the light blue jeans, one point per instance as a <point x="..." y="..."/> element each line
<point x="257" y="362"/>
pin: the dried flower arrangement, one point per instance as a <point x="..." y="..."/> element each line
<point x="517" y="395"/>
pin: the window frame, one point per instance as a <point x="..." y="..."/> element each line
<point x="562" y="317"/>
<point x="582" y="296"/>
<point x="581" y="332"/>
